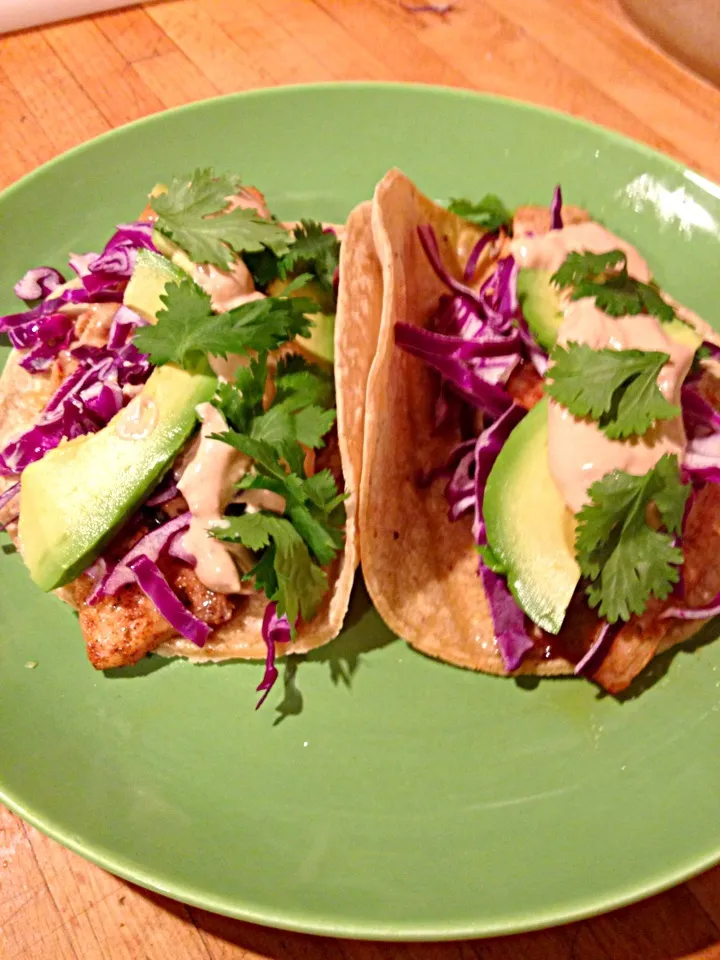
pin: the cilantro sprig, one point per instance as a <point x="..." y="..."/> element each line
<point x="187" y="329"/>
<point x="489" y="213"/>
<point x="312" y="249"/>
<point x="618" y="388"/>
<point x="621" y="550"/>
<point x="293" y="547"/>
<point x="604" y="276"/>
<point x="188" y="215"/>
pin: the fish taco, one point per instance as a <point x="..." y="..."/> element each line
<point x="542" y="443"/>
<point x="181" y="427"/>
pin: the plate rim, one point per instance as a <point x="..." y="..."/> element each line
<point x="302" y="921"/>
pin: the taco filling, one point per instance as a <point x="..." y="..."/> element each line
<point x="171" y="460"/>
<point x="572" y="408"/>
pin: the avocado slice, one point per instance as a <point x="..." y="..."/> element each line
<point x="74" y="500"/>
<point x="542" y="308"/>
<point x="540" y="304"/>
<point x="149" y="278"/>
<point x="529" y="528"/>
<point x="321" y="341"/>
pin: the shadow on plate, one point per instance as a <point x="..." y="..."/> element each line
<point x="650" y="676"/>
<point x="363" y="632"/>
<point x="658" y="668"/>
<point x="143" y="668"/>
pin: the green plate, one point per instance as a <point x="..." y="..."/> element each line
<point x="380" y="794"/>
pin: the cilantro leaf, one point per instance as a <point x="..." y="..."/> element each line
<point x="311" y="425"/>
<point x="240" y="403"/>
<point x="189" y="215"/>
<point x="296" y="583"/>
<point x="260" y="451"/>
<point x="187" y="309"/>
<point x="626" y="560"/>
<point x="604" y="277"/>
<point x="618" y="388"/>
<point x="314" y="251"/>
<point x="187" y="327"/>
<point x="299" y="383"/>
<point x="275" y="438"/>
<point x="489" y="213"/>
<point x="273" y="427"/>
<point x="321" y="490"/>
<point x="323" y="539"/>
<point x="264" y="267"/>
<point x="579" y="267"/>
<point x="671" y="497"/>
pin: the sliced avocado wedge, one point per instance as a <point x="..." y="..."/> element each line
<point x="529" y="528"/>
<point x="74" y="500"/>
<point x="321" y="342"/>
<point x="540" y="304"/>
<point x="147" y="284"/>
<point x="542" y="308"/>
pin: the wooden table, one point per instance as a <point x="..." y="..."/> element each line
<point x="64" y="84"/>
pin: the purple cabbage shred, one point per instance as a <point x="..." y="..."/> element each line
<point x="37" y="283"/>
<point x="275" y="630"/>
<point x="154" y="585"/>
<point x="556" y="222"/>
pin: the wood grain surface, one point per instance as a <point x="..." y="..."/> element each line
<point x="65" y="83"/>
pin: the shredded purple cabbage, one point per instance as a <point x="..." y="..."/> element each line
<point x="702" y="423"/>
<point x="98" y="570"/>
<point x="124" y="324"/>
<point x="47" y="338"/>
<point x="556" y="222"/>
<point x="37" y="283"/>
<point x="9" y="494"/>
<point x="154" y="585"/>
<point x="79" y="406"/>
<point x="465" y="492"/>
<point x="712" y="348"/>
<point x="79" y="262"/>
<point x="151" y="546"/>
<point x="508" y="619"/>
<point x="488" y="446"/>
<point x="467" y="365"/>
<point x="486" y="336"/>
<point x="166" y="490"/>
<point x="711" y="609"/>
<point x="275" y="630"/>
<point x="176" y="548"/>
<point x="698" y="414"/>
<point x="427" y="238"/>
<point x="599" y="649"/>
<point x="475" y="342"/>
<point x="474" y="460"/>
<point x="485" y="240"/>
<point x="499" y="296"/>
<point x="117" y="261"/>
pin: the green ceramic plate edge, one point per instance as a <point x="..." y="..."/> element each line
<point x="369" y="659"/>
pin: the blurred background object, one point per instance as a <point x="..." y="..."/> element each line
<point x="689" y="29"/>
<point x="18" y="14"/>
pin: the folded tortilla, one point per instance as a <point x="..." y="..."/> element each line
<point x="421" y="569"/>
<point x="121" y="631"/>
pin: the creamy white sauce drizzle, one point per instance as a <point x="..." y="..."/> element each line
<point x="227" y="288"/>
<point x="548" y="251"/>
<point x="208" y="480"/>
<point x="579" y="452"/>
<point x="138" y="420"/>
<point x="208" y="485"/>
